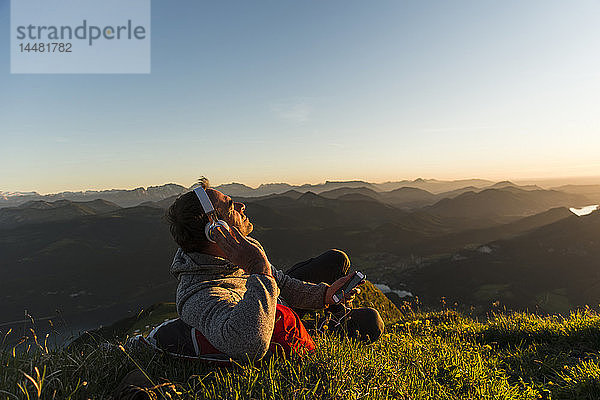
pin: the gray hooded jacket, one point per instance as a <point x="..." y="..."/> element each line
<point x="233" y="310"/>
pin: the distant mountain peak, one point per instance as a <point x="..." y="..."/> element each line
<point x="36" y="204"/>
<point x="409" y="189"/>
<point x="18" y="193"/>
<point x="503" y="183"/>
<point x="309" y="195"/>
<point x="355" y="182"/>
<point x="229" y="185"/>
<point x="311" y="198"/>
<point x="274" y="184"/>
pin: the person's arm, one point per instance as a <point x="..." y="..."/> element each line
<point x="245" y="252"/>
<point x="300" y="294"/>
<point x="297" y="293"/>
<point x="306" y="295"/>
<point x="240" y="328"/>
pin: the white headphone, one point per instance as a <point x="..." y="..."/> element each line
<point x="209" y="210"/>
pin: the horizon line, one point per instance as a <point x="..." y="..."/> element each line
<point x="494" y="180"/>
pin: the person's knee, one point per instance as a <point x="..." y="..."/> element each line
<point x="365" y="324"/>
<point x="339" y="258"/>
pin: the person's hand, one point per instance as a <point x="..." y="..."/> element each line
<point x="241" y="251"/>
<point x="335" y="286"/>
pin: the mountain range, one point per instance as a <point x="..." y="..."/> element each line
<point x="124" y="198"/>
<point x="39" y="211"/>
<point x="431" y="185"/>
<point x="404" y="193"/>
<point x="131" y="197"/>
<point x="94" y="261"/>
<point x="552" y="268"/>
<point x="89" y="257"/>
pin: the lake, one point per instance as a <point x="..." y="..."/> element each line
<point x="584" y="210"/>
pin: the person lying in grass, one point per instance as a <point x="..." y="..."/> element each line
<point x="239" y="303"/>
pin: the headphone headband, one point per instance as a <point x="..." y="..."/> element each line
<point x="204" y="200"/>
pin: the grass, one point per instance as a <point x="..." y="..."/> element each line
<point x="423" y="355"/>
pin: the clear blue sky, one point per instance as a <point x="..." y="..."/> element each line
<point x="303" y="91"/>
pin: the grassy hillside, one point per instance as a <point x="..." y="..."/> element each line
<point x="154" y="315"/>
<point x="441" y="355"/>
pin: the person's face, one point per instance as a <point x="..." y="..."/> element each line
<point x="230" y="211"/>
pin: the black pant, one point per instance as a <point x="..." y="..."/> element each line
<point x="361" y="323"/>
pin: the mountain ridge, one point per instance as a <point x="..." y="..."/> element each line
<point x="157" y="193"/>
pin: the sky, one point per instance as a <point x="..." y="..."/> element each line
<point x="308" y="91"/>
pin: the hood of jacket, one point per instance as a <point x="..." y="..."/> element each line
<point x="210" y="267"/>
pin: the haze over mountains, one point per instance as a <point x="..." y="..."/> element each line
<point x="96" y="260"/>
<point x="127" y="198"/>
<point x="553" y="268"/>
<point x="432" y="185"/>
<point x="124" y="198"/>
<point x="387" y="191"/>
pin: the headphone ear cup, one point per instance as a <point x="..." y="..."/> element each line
<point x="212" y="225"/>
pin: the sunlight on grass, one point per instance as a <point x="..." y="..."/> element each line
<point x="441" y="355"/>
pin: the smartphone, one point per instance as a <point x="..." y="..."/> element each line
<point x="353" y="282"/>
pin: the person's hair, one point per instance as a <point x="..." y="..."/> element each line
<point x="187" y="220"/>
